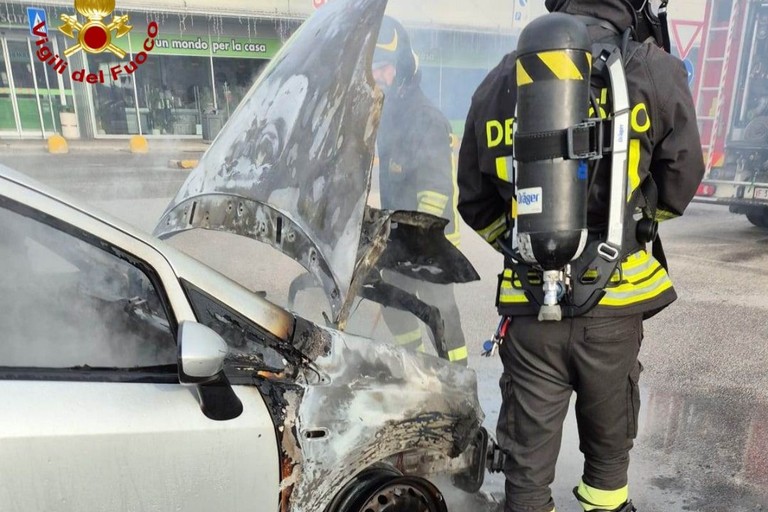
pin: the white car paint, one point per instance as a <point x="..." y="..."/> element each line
<point x="95" y="446"/>
<point x="84" y="446"/>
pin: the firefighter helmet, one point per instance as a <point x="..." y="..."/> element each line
<point x="394" y="47"/>
<point x="652" y="16"/>
<point x="649" y="17"/>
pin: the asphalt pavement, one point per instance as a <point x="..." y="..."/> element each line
<point x="703" y="443"/>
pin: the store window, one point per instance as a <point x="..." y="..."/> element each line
<point x="174" y="91"/>
<point x="114" y="100"/>
<point x="7" y="118"/>
<point x="234" y="78"/>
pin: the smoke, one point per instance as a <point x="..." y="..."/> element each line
<point x="66" y="303"/>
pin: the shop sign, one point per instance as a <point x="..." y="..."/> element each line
<point x="204" y="46"/>
<point x="94" y="36"/>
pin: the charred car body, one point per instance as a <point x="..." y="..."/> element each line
<point x="285" y="415"/>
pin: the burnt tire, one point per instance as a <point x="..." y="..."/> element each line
<point x="758" y="217"/>
<point x="385" y="490"/>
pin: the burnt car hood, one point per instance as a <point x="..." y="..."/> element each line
<point x="292" y="167"/>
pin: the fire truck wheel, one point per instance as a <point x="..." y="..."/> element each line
<point x="758" y="217"/>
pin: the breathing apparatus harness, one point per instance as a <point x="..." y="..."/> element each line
<point x="573" y="284"/>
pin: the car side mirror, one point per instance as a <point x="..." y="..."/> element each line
<point x="201" y="357"/>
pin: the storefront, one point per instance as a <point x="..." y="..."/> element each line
<point x="31" y="94"/>
<point x="201" y="66"/>
<point x="193" y="71"/>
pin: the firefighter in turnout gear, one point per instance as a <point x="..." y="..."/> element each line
<point x="417" y="173"/>
<point x="593" y="350"/>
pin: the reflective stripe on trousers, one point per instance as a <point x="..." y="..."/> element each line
<point x="591" y="498"/>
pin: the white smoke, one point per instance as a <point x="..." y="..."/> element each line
<point x="66" y="303"/>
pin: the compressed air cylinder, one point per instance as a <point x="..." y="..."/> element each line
<point x="553" y="85"/>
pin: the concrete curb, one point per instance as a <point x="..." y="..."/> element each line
<point x="179" y="148"/>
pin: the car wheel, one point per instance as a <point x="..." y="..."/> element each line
<point x="383" y="490"/>
<point x="758" y="217"/>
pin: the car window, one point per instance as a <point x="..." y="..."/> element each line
<point x="65" y="302"/>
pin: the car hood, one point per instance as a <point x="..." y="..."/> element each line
<point x="292" y="167"/>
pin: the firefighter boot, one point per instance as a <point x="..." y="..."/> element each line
<point x="587" y="506"/>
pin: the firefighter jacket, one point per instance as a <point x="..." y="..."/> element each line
<point x="417" y="166"/>
<point x="664" y="147"/>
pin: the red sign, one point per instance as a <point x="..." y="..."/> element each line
<point x="319" y="3"/>
<point x="685" y="34"/>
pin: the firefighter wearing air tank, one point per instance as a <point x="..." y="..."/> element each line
<point x="417" y="172"/>
<point x="575" y="147"/>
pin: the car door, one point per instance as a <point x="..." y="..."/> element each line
<point x="93" y="416"/>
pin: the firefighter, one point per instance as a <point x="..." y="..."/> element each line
<point x="594" y="353"/>
<point x="417" y="173"/>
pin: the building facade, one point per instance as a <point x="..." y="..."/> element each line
<point x="204" y="59"/>
<point x="206" y="55"/>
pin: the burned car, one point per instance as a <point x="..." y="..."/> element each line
<point x="134" y="377"/>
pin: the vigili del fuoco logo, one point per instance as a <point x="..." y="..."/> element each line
<point x="94" y="36"/>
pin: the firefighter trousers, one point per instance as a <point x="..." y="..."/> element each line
<point x="406" y="328"/>
<point x="543" y="363"/>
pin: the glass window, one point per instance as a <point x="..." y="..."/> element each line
<point x="24" y="83"/>
<point x="174" y="90"/>
<point x="7" y="117"/>
<point x="752" y="85"/>
<point x="66" y="303"/>
<point x="234" y="78"/>
<point x="113" y="100"/>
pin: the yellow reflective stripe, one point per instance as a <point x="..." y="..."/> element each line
<point x="523" y="78"/>
<point x="630" y="287"/>
<point x="454" y="237"/>
<point x="637" y="276"/>
<point x="509" y="292"/>
<point x="512" y="296"/>
<point x="561" y="65"/>
<point x="434" y="198"/>
<point x="408" y="337"/>
<point x="634" y="167"/>
<point x="643" y="278"/>
<point x="650" y="290"/>
<point x="591" y="498"/>
<point x="458" y="354"/>
<point x="432" y="204"/>
<point x="502" y="171"/>
<point x="636" y="266"/>
<point x="492" y="232"/>
<point x="635" y="260"/>
<point x="662" y="215"/>
<point x="428" y="208"/>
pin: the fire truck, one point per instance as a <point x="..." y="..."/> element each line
<point x="731" y="93"/>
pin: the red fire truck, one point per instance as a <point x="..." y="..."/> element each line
<point x="731" y="93"/>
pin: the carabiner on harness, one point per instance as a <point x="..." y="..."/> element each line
<point x="491" y="346"/>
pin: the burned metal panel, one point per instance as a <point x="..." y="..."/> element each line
<point x="417" y="248"/>
<point x="254" y="220"/>
<point x="410" y="243"/>
<point x="303" y="140"/>
<point x="357" y="413"/>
